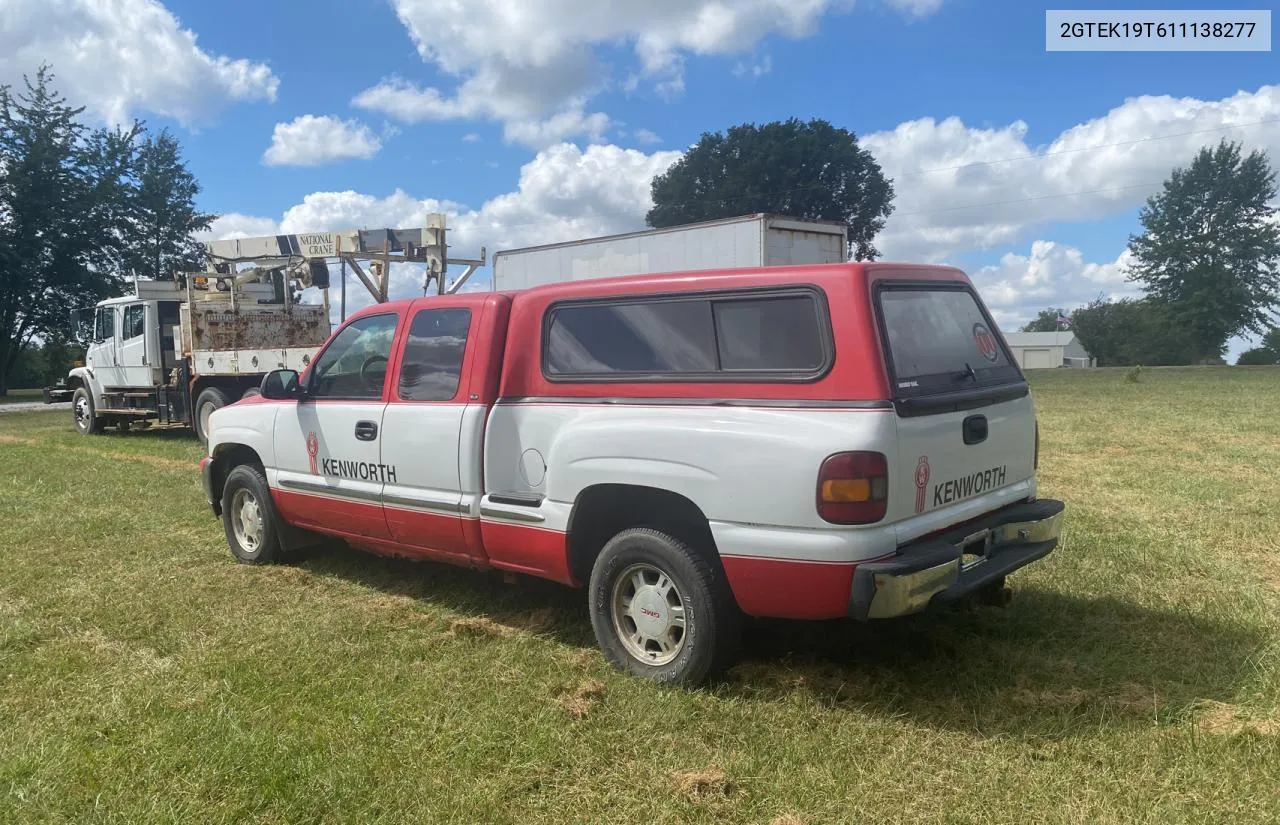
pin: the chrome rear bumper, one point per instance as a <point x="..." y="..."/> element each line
<point x="957" y="563"/>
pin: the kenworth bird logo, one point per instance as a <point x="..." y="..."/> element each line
<point x="313" y="449"/>
<point x="986" y="342"/>
<point x="922" y="481"/>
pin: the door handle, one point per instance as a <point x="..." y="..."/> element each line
<point x="974" y="429"/>
<point x="366" y="430"/>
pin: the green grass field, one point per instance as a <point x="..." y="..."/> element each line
<point x="145" y="677"/>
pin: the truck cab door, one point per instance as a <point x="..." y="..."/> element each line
<point x="329" y="472"/>
<point x="433" y="429"/>
<point x="131" y="355"/>
<point x="101" y="354"/>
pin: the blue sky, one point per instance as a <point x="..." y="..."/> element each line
<point x="531" y="121"/>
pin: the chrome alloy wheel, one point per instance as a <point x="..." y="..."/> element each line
<point x="246" y="520"/>
<point x="82" y="412"/>
<point x="648" y="614"/>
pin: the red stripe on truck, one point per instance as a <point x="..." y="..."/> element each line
<point x="790" y="589"/>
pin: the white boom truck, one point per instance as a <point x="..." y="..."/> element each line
<point x="730" y="243"/>
<point x="178" y="349"/>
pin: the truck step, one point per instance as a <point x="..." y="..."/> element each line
<point x="131" y="394"/>
<point x="127" y="411"/>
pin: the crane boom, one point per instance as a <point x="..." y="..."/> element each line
<point x="303" y="252"/>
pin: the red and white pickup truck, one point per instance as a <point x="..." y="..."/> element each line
<point x="803" y="442"/>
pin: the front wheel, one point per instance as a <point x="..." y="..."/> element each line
<point x="249" y="517"/>
<point x="86" y="416"/>
<point x="662" y="611"/>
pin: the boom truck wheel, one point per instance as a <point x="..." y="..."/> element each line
<point x="86" y="416"/>
<point x="208" y="401"/>
<point x="661" y="610"/>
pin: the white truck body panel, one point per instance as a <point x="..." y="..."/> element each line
<point x="753" y="472"/>
<point x="751" y="241"/>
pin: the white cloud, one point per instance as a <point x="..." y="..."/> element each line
<point x="407" y="102"/>
<point x="557" y="128"/>
<point x="757" y="69"/>
<point x="471" y="137"/>
<point x="528" y="60"/>
<point x="237" y="225"/>
<point x="646" y="136"/>
<point x="917" y="8"/>
<point x="309" y="140"/>
<point x="956" y="192"/>
<point x="1051" y="275"/>
<point x="122" y="57"/>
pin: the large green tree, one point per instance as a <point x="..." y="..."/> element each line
<point x="81" y="210"/>
<point x="64" y="214"/>
<point x="1210" y="249"/>
<point x="808" y="170"/>
<point x="1128" y="331"/>
<point x="164" y="211"/>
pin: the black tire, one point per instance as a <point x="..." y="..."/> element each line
<point x="84" y="413"/>
<point x="708" y="641"/>
<point x="250" y="393"/>
<point x="213" y="398"/>
<point x="247" y="483"/>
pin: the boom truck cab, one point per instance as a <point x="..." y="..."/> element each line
<point x="177" y="350"/>
<point x="804" y="442"/>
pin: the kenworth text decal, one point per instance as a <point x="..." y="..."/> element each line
<point x="966" y="486"/>
<point x="363" y="470"/>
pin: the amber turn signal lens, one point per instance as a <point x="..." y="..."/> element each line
<point x="846" y="489"/>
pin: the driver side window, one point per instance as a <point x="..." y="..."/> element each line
<point x="354" y="365"/>
<point x="105" y="328"/>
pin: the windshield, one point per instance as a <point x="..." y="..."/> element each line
<point x="940" y="341"/>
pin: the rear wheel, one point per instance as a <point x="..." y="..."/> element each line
<point x="249" y="517"/>
<point x="85" y="415"/>
<point x="209" y="401"/>
<point x="662" y="611"/>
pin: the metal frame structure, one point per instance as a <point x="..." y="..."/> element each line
<point x="299" y="253"/>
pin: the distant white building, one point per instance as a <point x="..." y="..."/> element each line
<point x="1041" y="350"/>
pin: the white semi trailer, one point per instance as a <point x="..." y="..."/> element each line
<point x="747" y="241"/>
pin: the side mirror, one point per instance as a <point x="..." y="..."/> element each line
<point x="280" y="385"/>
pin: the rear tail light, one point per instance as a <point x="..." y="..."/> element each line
<point x="853" y="488"/>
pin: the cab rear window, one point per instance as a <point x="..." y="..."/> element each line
<point x="940" y="340"/>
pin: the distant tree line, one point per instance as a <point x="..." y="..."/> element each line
<point x="1208" y="263"/>
<point x="81" y="210"/>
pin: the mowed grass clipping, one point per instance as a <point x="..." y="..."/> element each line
<point x="145" y="677"/>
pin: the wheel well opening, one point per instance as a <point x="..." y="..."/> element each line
<point x="227" y="458"/>
<point x="75" y="382"/>
<point x="603" y="511"/>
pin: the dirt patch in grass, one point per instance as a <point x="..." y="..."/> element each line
<point x="707" y="784"/>
<point x="532" y="623"/>
<point x="581" y="699"/>
<point x="1228" y="719"/>
<point x="786" y="819"/>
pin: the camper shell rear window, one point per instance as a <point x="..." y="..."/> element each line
<point x="938" y="339"/>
